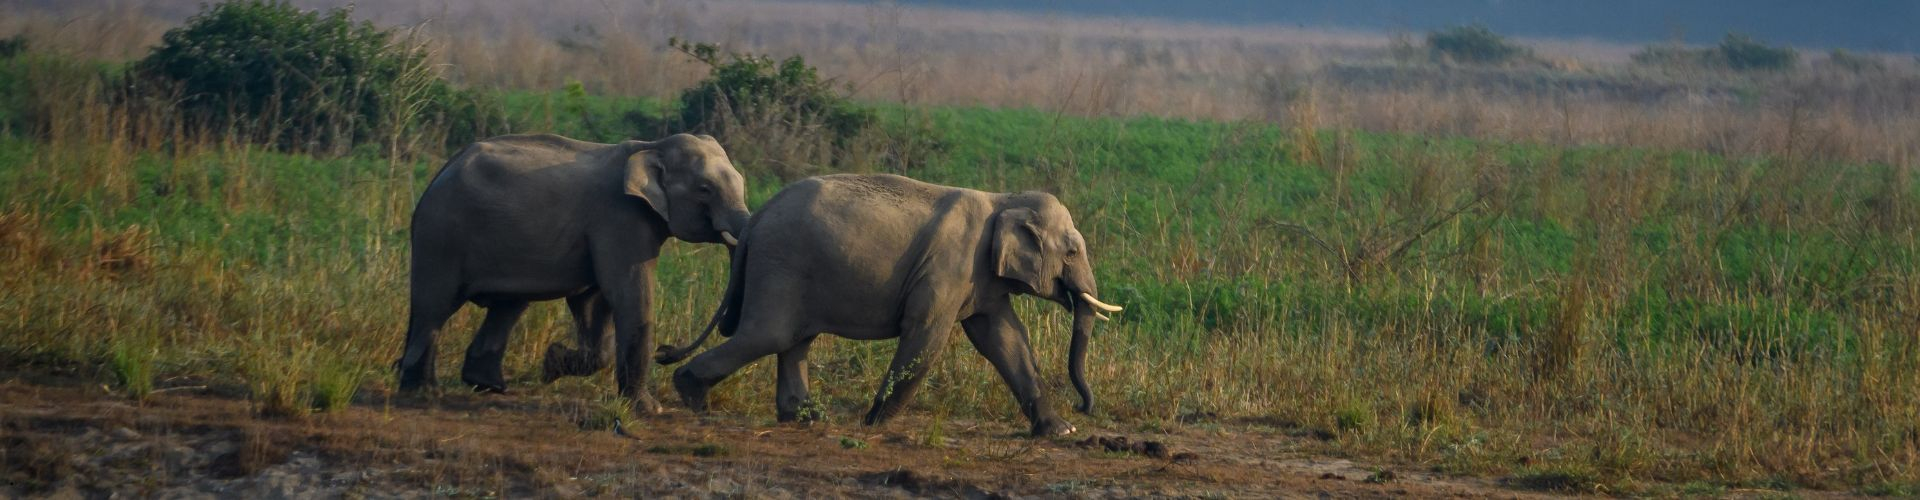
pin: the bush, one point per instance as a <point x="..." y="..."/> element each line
<point x="303" y="79"/>
<point x="1474" y="44"/>
<point x="1855" y="63"/>
<point x="1672" y="55"/>
<point x="1736" y="52"/>
<point x="1744" y="53"/>
<point x="781" y="110"/>
<point x="13" y="46"/>
<point x="35" y="88"/>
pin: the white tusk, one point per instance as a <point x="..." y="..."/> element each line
<point x="1097" y="303"/>
<point x="1102" y="317"/>
<point x="731" y="241"/>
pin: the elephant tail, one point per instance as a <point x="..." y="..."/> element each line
<point x="729" y="316"/>
<point x="726" y="316"/>
<point x="667" y="354"/>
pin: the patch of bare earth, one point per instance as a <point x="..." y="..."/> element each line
<point x="70" y="440"/>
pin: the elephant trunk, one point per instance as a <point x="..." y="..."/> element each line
<point x="732" y="225"/>
<point x="1083" y="316"/>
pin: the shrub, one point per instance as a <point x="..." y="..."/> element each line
<point x="1473" y="44"/>
<point x="13" y="46"/>
<point x="1855" y="63"/>
<point x="35" y="87"/>
<point x="1736" y="52"/>
<point x="1741" y="52"/>
<point x="303" y="79"/>
<point x="1672" y="55"/>
<point x="782" y="110"/>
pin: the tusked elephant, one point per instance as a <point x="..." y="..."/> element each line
<point x="873" y="257"/>
<point x="521" y="218"/>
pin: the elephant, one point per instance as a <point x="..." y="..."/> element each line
<point x="520" y="218"/>
<point x="872" y="257"/>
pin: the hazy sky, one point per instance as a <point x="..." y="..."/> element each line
<point x="1876" y="25"/>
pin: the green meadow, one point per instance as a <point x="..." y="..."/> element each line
<point x="1599" y="315"/>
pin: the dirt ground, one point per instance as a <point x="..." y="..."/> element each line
<point x="68" y="439"/>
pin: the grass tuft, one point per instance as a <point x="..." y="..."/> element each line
<point x="131" y="361"/>
<point x="334" y="383"/>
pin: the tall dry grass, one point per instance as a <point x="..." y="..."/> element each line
<point x="1124" y="67"/>
<point x="1486" y="308"/>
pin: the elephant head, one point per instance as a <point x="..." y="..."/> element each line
<point x="1037" y="248"/>
<point x="690" y="183"/>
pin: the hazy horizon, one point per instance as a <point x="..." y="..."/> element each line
<point x="1880" y="26"/>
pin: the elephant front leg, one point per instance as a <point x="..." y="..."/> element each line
<point x="790" y="390"/>
<point x="632" y="298"/>
<point x="920" y="346"/>
<point x="593" y="333"/>
<point x="1002" y="339"/>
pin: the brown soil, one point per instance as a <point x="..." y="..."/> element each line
<point x="65" y="439"/>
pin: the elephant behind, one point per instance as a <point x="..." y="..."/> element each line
<point x="873" y="257"/>
<point x="522" y="218"/>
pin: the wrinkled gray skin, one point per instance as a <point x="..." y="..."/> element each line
<point x="521" y="218"/>
<point x="873" y="257"/>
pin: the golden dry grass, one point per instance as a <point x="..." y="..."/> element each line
<point x="1461" y="354"/>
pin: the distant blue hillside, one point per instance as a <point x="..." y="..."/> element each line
<point x="1875" y="25"/>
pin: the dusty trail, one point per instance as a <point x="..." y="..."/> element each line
<point x="68" y="439"/>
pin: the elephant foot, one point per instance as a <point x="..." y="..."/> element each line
<point x="482" y="384"/>
<point x="693" y="393"/>
<point x="554" y="365"/>
<point x="805" y="414"/>
<point x="1051" y="426"/>
<point x="411" y="386"/>
<point x="876" y="416"/>
<point x="644" y="405"/>
<point x="412" y="381"/>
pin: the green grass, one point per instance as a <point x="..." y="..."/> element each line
<point x="1743" y="319"/>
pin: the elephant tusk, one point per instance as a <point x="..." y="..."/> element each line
<point x="731" y="241"/>
<point x="1097" y="303"/>
<point x="1102" y="317"/>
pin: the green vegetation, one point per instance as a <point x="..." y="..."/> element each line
<point x="1474" y="44"/>
<point x="304" y="80"/>
<point x="605" y="414"/>
<point x="12" y="46"/>
<point x="131" y="362"/>
<point x="1742" y="52"/>
<point x="1736" y="52"/>
<point x="1855" y="63"/>
<point x="1621" y="314"/>
<point x="752" y="98"/>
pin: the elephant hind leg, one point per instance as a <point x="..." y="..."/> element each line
<point x="428" y="311"/>
<point x="593" y="332"/>
<point x="791" y="396"/>
<point x="489" y="347"/>
<point x="763" y="332"/>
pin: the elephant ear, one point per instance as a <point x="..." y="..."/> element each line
<point x="644" y="178"/>
<point x="1016" y="248"/>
